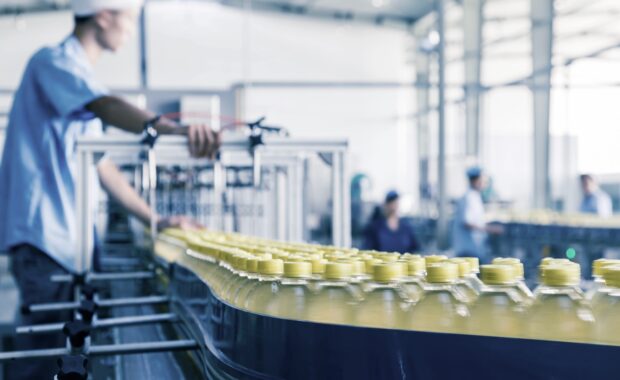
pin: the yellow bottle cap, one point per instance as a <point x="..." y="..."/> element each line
<point x="297" y="269"/>
<point x="240" y="262"/>
<point x="296" y="257"/>
<point x="464" y="267"/>
<point x="474" y="264"/>
<point x="561" y="275"/>
<point x="252" y="264"/>
<point x="408" y="256"/>
<point x="598" y="265"/>
<point x="432" y="259"/>
<point x="442" y="272"/>
<point x="358" y="268"/>
<point x="611" y="274"/>
<point x="318" y="266"/>
<point x="416" y="266"/>
<point x="387" y="272"/>
<point x="266" y="256"/>
<point x="390" y="257"/>
<point x="334" y="257"/>
<point x="404" y="267"/>
<point x="370" y="263"/>
<point x="279" y="255"/>
<point x="313" y="256"/>
<point x="335" y="270"/>
<point x="498" y="274"/>
<point x="364" y="256"/>
<point x="514" y="262"/>
<point x="271" y="267"/>
<point x="552" y="260"/>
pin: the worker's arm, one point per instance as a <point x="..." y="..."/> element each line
<point x="474" y="218"/>
<point x="118" y="188"/>
<point x="112" y="110"/>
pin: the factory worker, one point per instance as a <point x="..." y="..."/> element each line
<point x="387" y="231"/>
<point x="469" y="230"/>
<point x="595" y="201"/>
<point x="58" y="101"/>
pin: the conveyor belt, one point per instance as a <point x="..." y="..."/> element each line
<point x="246" y="345"/>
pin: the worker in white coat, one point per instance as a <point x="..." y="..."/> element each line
<point x="59" y="100"/>
<point x="470" y="229"/>
<point x="595" y="201"/>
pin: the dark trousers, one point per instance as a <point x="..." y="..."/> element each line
<point x="32" y="269"/>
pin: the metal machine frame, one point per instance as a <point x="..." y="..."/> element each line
<point x="173" y="150"/>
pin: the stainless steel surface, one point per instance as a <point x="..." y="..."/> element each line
<point x="141" y="348"/>
<point x="136" y="320"/>
<point x="542" y="13"/>
<point x="100" y="323"/>
<point x="442" y="236"/>
<point x="130" y="301"/>
<point x="111" y="349"/>
<point x="278" y="152"/>
<point x="107" y="276"/>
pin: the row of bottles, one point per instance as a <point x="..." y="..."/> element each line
<point x="386" y="290"/>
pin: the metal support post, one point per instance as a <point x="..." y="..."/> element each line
<point x="442" y="219"/>
<point x="542" y="49"/>
<point x="423" y="67"/>
<point x="472" y="53"/>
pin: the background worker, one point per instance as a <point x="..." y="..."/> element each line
<point x="595" y="201"/>
<point x="387" y="231"/>
<point x="470" y="229"/>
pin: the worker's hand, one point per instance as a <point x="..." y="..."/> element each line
<point x="203" y="141"/>
<point x="181" y="222"/>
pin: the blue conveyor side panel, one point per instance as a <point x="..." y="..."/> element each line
<point x="241" y="344"/>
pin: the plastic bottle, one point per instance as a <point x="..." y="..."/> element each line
<point x="433" y="259"/>
<point x="558" y="312"/>
<point x="498" y="311"/>
<point x="607" y="315"/>
<point x="599" y="303"/>
<point x="318" y="268"/>
<point x="526" y="293"/>
<point x="289" y="295"/>
<point x="464" y="282"/>
<point x="240" y="267"/>
<point x="413" y="282"/>
<point x="598" y="285"/>
<point x="441" y="309"/>
<point x="270" y="272"/>
<point x="385" y="303"/>
<point x="335" y="298"/>
<point x="240" y="288"/>
<point x="228" y="272"/>
<point x="472" y="276"/>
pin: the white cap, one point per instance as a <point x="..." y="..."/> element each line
<point x="91" y="7"/>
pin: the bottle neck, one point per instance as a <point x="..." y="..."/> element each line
<point x="376" y="285"/>
<point x="269" y="277"/>
<point x="293" y="281"/>
<point x="431" y="286"/>
<point x="572" y="291"/>
<point x="335" y="282"/>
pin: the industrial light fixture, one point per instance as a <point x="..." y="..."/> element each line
<point x="380" y="3"/>
<point x="430" y="43"/>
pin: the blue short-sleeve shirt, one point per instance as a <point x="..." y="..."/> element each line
<point x="37" y="172"/>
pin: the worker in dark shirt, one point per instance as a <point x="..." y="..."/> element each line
<point x="387" y="232"/>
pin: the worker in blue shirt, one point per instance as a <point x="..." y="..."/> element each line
<point x="59" y="100"/>
<point x="387" y="232"/>
<point x="595" y="201"/>
<point x="470" y="229"/>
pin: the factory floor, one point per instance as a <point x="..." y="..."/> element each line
<point x="9" y="299"/>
